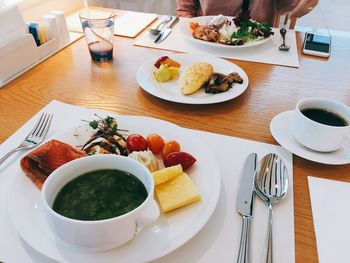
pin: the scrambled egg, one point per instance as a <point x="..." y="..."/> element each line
<point x="194" y="77"/>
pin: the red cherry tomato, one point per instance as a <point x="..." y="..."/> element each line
<point x="169" y="147"/>
<point x="185" y="159"/>
<point x="136" y="142"/>
<point x="155" y="143"/>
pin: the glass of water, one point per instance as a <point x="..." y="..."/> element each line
<point x="98" y="29"/>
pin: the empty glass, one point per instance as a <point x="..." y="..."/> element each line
<point x="99" y="31"/>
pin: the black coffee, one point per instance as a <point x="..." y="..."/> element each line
<point x="325" y="117"/>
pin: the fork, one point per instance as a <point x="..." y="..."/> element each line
<point x="35" y="137"/>
<point x="156" y="30"/>
<point x="283" y="47"/>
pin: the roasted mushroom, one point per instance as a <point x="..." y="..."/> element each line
<point x="219" y="82"/>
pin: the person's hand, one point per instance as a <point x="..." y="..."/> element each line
<point x="302" y="8"/>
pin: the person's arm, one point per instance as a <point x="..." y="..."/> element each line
<point x="187" y="8"/>
<point x="295" y="8"/>
<point x="302" y="8"/>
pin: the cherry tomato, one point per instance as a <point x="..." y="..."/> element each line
<point x="185" y="159"/>
<point x="155" y="143"/>
<point x="169" y="147"/>
<point x="136" y="142"/>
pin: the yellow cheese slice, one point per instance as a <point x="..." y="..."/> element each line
<point x="166" y="174"/>
<point x="176" y="193"/>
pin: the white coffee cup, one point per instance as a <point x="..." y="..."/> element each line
<point x="316" y="135"/>
<point x="104" y="234"/>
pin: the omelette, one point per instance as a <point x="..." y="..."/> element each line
<point x="194" y="77"/>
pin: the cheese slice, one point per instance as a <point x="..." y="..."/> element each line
<point x="167" y="174"/>
<point x="176" y="193"/>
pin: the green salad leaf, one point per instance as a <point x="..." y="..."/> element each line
<point x="250" y="30"/>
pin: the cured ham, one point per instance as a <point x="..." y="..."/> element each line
<point x="42" y="161"/>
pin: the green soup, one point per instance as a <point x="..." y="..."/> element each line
<point x="100" y="194"/>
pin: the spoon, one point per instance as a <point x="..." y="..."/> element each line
<point x="271" y="184"/>
<point x="156" y="30"/>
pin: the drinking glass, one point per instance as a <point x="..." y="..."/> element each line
<point x="98" y="29"/>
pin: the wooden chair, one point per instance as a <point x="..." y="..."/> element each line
<point x="286" y="21"/>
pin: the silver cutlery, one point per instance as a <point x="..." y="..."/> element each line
<point x="156" y="30"/>
<point x="245" y="206"/>
<point x="283" y="47"/>
<point x="271" y="185"/>
<point x="166" y="31"/>
<point x="35" y="137"/>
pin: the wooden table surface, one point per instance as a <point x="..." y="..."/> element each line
<point x="70" y="76"/>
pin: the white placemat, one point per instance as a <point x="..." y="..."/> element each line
<point x="129" y="24"/>
<point x="219" y="239"/>
<point x="331" y="214"/>
<point x="266" y="53"/>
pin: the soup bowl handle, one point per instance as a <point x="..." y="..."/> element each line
<point x="149" y="214"/>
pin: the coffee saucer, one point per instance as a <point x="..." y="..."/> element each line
<point x="280" y="128"/>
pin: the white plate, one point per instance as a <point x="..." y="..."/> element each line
<point x="202" y="20"/>
<point x="280" y="128"/>
<point x="165" y="235"/>
<point x="171" y="90"/>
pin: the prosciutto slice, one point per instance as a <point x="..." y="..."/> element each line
<point x="42" y="161"/>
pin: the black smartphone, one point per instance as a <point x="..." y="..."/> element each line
<point x="317" y="44"/>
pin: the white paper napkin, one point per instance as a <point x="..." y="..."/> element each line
<point x="265" y="53"/>
<point x="132" y="23"/>
<point x="129" y="24"/>
<point x="12" y="24"/>
<point x="331" y="214"/>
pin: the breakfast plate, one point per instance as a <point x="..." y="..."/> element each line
<point x="171" y="90"/>
<point x="202" y="20"/>
<point x="280" y="128"/>
<point x="169" y="232"/>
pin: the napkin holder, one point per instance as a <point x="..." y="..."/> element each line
<point x="21" y="53"/>
<point x="18" y="50"/>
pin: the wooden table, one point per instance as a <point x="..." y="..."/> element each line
<point x="70" y="76"/>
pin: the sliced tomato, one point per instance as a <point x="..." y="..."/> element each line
<point x="185" y="159"/>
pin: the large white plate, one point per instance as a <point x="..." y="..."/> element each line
<point x="202" y="20"/>
<point x="171" y="90"/>
<point x="168" y="233"/>
<point x="280" y="128"/>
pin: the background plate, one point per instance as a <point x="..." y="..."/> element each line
<point x="171" y="90"/>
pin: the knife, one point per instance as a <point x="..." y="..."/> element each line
<point x="166" y="31"/>
<point x="245" y="205"/>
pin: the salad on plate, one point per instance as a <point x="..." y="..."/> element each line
<point x="235" y="31"/>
